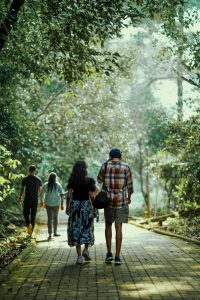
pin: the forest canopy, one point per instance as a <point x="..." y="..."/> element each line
<point x="78" y="78"/>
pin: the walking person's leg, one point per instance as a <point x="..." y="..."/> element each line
<point x="118" y="228"/>
<point x="79" y="260"/>
<point x="85" y="253"/>
<point x="120" y="218"/>
<point x="55" y="220"/>
<point x="88" y="228"/>
<point x="33" y="213"/>
<point x="78" y="250"/>
<point x="49" y="220"/>
<point x="26" y="213"/>
<point x="109" y="214"/>
<point x="108" y="236"/>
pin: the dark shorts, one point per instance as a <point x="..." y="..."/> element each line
<point x="118" y="215"/>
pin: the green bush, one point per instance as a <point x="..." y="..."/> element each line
<point x="8" y="176"/>
<point x="181" y="167"/>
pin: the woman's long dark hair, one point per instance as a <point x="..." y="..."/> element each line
<point x="52" y="181"/>
<point x="79" y="173"/>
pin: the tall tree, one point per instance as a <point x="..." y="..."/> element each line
<point x="9" y="21"/>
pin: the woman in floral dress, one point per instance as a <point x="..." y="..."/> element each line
<point x="81" y="190"/>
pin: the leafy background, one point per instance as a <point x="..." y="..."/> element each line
<point x="78" y="78"/>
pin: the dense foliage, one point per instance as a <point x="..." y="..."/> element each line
<point x="182" y="172"/>
<point x="8" y="175"/>
<point x="68" y="92"/>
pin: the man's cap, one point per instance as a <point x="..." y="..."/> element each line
<point x="115" y="153"/>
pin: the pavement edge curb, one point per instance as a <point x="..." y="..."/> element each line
<point x="6" y="273"/>
<point x="165" y="233"/>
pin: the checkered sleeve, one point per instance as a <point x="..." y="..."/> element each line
<point x="129" y="180"/>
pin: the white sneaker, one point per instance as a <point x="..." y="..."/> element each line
<point x="86" y="255"/>
<point x="79" y="260"/>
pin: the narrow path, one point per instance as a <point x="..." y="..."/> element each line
<point x="156" y="267"/>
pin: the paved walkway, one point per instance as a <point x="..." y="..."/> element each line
<point x="156" y="267"/>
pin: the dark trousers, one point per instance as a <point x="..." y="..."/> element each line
<point x="29" y="212"/>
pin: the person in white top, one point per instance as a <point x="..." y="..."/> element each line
<point x="53" y="199"/>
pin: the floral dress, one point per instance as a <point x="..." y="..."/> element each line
<point x="80" y="228"/>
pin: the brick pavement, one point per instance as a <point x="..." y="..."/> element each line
<point x="156" y="267"/>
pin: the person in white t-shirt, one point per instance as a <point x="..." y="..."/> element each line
<point x="53" y="199"/>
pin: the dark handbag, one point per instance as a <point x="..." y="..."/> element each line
<point x="101" y="200"/>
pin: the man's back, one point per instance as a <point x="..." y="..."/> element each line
<point x="32" y="184"/>
<point x="117" y="178"/>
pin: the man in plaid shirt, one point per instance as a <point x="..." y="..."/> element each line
<point x="117" y="180"/>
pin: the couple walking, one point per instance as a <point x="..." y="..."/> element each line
<point x="116" y="178"/>
<point x="53" y="196"/>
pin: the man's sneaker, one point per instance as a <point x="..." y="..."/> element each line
<point x="56" y="234"/>
<point x="86" y="255"/>
<point x="79" y="260"/>
<point x="118" y="260"/>
<point x="30" y="229"/>
<point x="49" y="238"/>
<point x="109" y="257"/>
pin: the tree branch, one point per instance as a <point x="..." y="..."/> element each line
<point x="141" y="166"/>
<point x="160" y="78"/>
<point x="49" y="103"/>
<point x="192" y="82"/>
<point x="9" y="21"/>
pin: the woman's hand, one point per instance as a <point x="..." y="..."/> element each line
<point x="42" y="203"/>
<point x="67" y="210"/>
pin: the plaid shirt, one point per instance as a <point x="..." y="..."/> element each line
<point x="117" y="179"/>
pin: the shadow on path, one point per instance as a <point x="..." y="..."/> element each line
<point x="155" y="267"/>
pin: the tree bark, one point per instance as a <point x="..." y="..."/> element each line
<point x="9" y="21"/>
<point x="141" y="172"/>
<point x="179" y="68"/>
<point x="180" y="99"/>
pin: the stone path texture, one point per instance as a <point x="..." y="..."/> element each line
<point x="155" y="267"/>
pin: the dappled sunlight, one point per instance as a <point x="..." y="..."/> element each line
<point x="148" y="266"/>
<point x="77" y="79"/>
<point x="196" y="267"/>
<point x="147" y="288"/>
<point x="146" y="272"/>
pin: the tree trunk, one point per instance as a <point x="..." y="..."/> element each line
<point x="179" y="68"/>
<point x="141" y="172"/>
<point x="180" y="99"/>
<point x="9" y="21"/>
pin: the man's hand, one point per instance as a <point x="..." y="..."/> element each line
<point x="129" y="200"/>
<point x="21" y="193"/>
